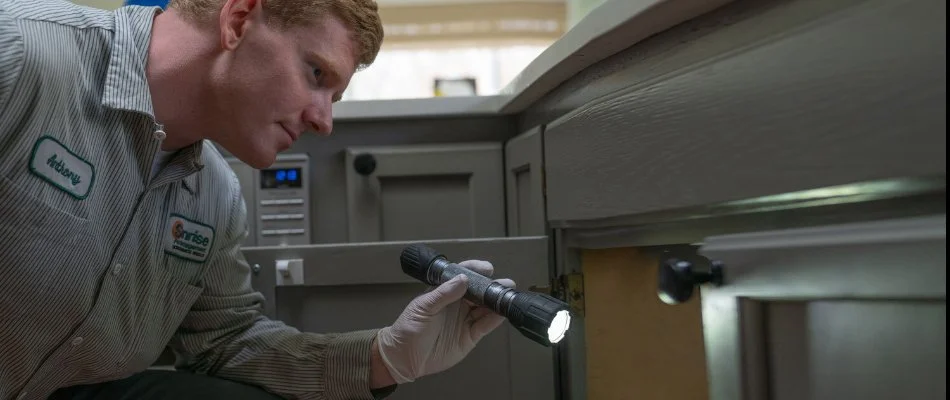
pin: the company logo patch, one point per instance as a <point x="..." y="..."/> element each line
<point x="55" y="163"/>
<point x="188" y="239"/>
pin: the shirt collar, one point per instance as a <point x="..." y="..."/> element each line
<point x="192" y="156"/>
<point x="182" y="167"/>
<point x="126" y="87"/>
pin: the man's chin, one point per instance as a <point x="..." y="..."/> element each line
<point x="259" y="161"/>
<point x="256" y="155"/>
<point x="257" y="158"/>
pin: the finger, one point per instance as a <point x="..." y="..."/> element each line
<point x="486" y="324"/>
<point x="484" y="319"/>
<point x="506" y="283"/>
<point x="483" y="268"/>
<point x="478" y="313"/>
<point x="443" y="295"/>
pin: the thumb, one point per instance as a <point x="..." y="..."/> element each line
<point x="443" y="295"/>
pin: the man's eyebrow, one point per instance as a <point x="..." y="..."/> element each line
<point x="329" y="68"/>
<point x="325" y="64"/>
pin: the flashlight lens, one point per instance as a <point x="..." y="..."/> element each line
<point x="559" y="326"/>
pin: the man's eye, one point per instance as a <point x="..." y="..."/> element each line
<point x="317" y="72"/>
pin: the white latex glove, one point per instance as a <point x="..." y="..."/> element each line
<point x="438" y="328"/>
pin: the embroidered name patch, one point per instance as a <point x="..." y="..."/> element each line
<point x="188" y="239"/>
<point x="58" y="165"/>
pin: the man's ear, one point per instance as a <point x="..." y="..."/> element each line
<point x="236" y="17"/>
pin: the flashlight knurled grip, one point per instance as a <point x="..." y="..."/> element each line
<point x="442" y="271"/>
<point x="431" y="267"/>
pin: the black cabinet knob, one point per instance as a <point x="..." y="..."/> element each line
<point x="678" y="278"/>
<point x="364" y="164"/>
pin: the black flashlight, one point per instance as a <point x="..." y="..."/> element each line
<point x="541" y="318"/>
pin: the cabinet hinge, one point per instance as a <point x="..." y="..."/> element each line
<point x="568" y="288"/>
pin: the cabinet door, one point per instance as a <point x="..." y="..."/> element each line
<point x="349" y="287"/>
<point x="841" y="312"/>
<point x="425" y="192"/>
<point x="524" y="180"/>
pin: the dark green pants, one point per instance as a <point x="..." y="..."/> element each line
<point x="165" y="385"/>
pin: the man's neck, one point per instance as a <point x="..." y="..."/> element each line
<point x="176" y="80"/>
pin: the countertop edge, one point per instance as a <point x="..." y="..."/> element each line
<point x="435" y="107"/>
<point x="610" y="28"/>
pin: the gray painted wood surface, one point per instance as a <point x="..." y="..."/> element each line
<point x="606" y="30"/>
<point x="361" y="286"/>
<point x="693" y="226"/>
<point x="328" y="166"/>
<point x="418" y="192"/>
<point x="854" y="311"/>
<point x="524" y="181"/>
<point x="728" y="29"/>
<point x="874" y="350"/>
<point x="792" y="111"/>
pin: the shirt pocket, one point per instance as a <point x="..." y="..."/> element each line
<point x="37" y="241"/>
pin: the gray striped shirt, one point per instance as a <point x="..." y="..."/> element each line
<point x="102" y="265"/>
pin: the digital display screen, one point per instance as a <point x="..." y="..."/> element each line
<point x="281" y="178"/>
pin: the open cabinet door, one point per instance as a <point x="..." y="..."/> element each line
<point x="853" y="311"/>
<point x="346" y="287"/>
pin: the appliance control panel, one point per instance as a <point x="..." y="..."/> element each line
<point x="283" y="202"/>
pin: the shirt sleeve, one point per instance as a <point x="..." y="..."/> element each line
<point x="226" y="334"/>
<point x="11" y="56"/>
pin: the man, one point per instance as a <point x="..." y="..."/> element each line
<point x="120" y="224"/>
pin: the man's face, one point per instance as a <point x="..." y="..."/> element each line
<point x="275" y="84"/>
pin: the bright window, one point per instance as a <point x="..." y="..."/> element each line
<point x="489" y="41"/>
<point x="411" y="72"/>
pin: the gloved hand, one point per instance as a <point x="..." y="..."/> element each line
<point x="438" y="329"/>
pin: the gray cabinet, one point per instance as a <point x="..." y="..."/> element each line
<point x="854" y="311"/>
<point x="791" y="111"/>
<point x="424" y="192"/>
<point x="345" y="287"/>
<point x="524" y="181"/>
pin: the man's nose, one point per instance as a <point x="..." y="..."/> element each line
<point x="319" y="119"/>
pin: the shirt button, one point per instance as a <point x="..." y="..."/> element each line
<point x="117" y="268"/>
<point x="77" y="341"/>
<point x="159" y="135"/>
